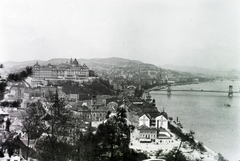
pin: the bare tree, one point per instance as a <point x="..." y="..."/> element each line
<point x="56" y="144"/>
<point x="31" y="120"/>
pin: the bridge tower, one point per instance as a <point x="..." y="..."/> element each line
<point x="230" y="91"/>
<point x="148" y="97"/>
<point x="169" y="89"/>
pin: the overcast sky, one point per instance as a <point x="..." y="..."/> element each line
<point x="201" y="33"/>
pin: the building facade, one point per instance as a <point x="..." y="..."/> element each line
<point x="71" y="70"/>
<point x="147" y="134"/>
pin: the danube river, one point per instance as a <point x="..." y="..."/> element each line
<point x="214" y="124"/>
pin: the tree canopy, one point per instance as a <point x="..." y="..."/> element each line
<point x="14" y="77"/>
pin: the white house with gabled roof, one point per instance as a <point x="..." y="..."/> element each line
<point x="161" y="122"/>
<point x="144" y="120"/>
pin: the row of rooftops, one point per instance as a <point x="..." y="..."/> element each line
<point x="83" y="108"/>
<point x="101" y="102"/>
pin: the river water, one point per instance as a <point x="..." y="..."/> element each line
<point x="214" y="124"/>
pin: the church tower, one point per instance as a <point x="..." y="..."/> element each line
<point x="94" y="99"/>
<point x="75" y="62"/>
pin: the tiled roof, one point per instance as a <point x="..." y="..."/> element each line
<point x="16" y="122"/>
<point x="18" y="85"/>
<point x="153" y="114"/>
<point x="163" y="136"/>
<point x="144" y="127"/>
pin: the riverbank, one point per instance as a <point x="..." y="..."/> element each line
<point x="152" y="148"/>
<point x="192" y="148"/>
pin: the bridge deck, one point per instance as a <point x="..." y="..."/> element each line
<point x="188" y="90"/>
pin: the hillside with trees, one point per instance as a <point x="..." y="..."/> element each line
<point x="98" y="86"/>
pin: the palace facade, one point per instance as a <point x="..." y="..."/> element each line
<point x="71" y="70"/>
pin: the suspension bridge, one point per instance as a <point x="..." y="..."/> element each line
<point x="169" y="90"/>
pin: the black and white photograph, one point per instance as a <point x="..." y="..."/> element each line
<point x="119" y="80"/>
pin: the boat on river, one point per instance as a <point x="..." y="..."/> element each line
<point x="227" y="105"/>
<point x="179" y="124"/>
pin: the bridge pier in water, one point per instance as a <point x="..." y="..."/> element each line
<point x="230" y="91"/>
<point x="169" y="89"/>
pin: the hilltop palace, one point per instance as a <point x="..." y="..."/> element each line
<point x="72" y="71"/>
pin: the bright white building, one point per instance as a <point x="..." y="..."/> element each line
<point x="161" y="122"/>
<point x="144" y="120"/>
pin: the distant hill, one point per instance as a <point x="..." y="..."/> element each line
<point x="108" y="62"/>
<point x="102" y="63"/>
<point x="95" y="63"/>
<point x="12" y="64"/>
<point x="197" y="70"/>
<point x="187" y="69"/>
